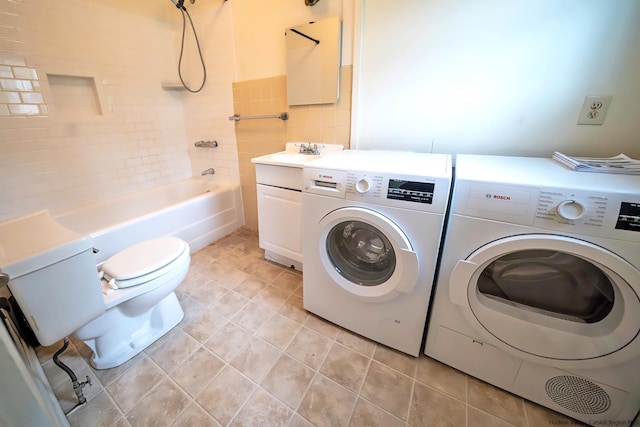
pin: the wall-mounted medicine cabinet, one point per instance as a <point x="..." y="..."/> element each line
<point x="313" y="62"/>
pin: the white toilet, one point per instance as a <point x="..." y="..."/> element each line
<point x="140" y="302"/>
<point x="118" y="312"/>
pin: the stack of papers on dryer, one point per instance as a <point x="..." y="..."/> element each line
<point x="621" y="164"/>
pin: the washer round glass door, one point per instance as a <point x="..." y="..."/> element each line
<point x="367" y="254"/>
<point x="550" y="297"/>
<point x="361" y="253"/>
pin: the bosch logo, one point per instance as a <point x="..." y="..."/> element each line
<point x="326" y="176"/>
<point x="497" y="196"/>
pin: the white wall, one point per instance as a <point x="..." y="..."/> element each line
<point x="497" y="76"/>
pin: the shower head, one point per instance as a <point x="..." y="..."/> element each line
<point x="179" y="4"/>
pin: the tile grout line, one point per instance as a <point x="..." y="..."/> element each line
<point x="315" y="375"/>
<point x="413" y="388"/>
<point x="364" y="378"/>
<point x="466" y="403"/>
<point x="145" y="394"/>
<point x="257" y="385"/>
<point x="396" y="371"/>
<point x="525" y="412"/>
<point x="247" y="399"/>
<point x="191" y="399"/>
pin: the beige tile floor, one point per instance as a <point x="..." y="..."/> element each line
<point x="248" y="354"/>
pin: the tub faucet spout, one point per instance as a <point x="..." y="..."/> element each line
<point x="209" y="171"/>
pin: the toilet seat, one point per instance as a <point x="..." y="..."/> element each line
<point x="142" y="262"/>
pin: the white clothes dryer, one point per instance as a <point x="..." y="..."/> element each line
<point x="538" y="285"/>
<point x="372" y="226"/>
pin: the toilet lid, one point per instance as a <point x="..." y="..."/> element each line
<point x="143" y="258"/>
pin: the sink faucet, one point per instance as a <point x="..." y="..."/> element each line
<point x="209" y="171"/>
<point x="309" y="149"/>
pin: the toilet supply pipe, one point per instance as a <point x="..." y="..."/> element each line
<point x="77" y="386"/>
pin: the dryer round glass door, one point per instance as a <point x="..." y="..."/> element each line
<point x="366" y="254"/>
<point x="550" y="297"/>
<point x="556" y="284"/>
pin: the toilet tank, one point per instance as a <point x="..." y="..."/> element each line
<point x="52" y="275"/>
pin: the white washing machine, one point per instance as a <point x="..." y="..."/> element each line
<point x="538" y="285"/>
<point x="372" y="226"/>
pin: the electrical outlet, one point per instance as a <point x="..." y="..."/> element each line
<point x="594" y="110"/>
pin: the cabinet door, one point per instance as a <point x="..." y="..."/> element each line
<point x="280" y="221"/>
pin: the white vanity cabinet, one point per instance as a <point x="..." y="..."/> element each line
<point x="280" y="224"/>
<point x="280" y="211"/>
<point x="279" y="187"/>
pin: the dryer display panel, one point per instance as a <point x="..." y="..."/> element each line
<point x="411" y="191"/>
<point x="629" y="217"/>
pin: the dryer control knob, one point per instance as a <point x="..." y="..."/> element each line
<point x="571" y="210"/>
<point x="363" y="185"/>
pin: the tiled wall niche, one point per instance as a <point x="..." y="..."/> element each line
<point x="74" y="96"/>
<point x="327" y="124"/>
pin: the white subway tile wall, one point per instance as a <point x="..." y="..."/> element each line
<point x="83" y="115"/>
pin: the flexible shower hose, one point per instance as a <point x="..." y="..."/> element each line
<point x="204" y="69"/>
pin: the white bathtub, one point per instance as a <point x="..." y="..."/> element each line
<point x="195" y="210"/>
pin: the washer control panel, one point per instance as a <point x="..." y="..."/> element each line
<point x="377" y="186"/>
<point x="428" y="194"/>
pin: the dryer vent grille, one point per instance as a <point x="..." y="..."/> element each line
<point x="578" y="394"/>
